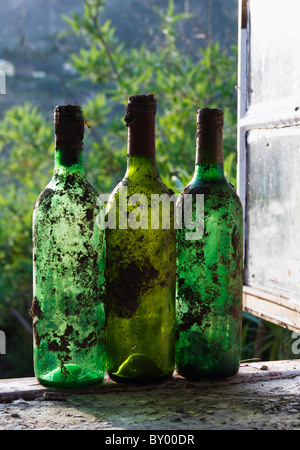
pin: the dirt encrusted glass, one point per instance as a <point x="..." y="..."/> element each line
<point x="68" y="266"/>
<point x="209" y="267"/>
<point x="141" y="260"/>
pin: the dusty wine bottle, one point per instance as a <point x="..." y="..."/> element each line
<point x="209" y="266"/>
<point x="141" y="259"/>
<point x="68" y="266"/>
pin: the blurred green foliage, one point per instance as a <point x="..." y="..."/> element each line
<point x="25" y="137"/>
<point x="181" y="83"/>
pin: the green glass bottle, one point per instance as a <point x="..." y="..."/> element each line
<point x="68" y="267"/>
<point x="209" y="264"/>
<point x="141" y="259"/>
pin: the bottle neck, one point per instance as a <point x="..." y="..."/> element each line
<point x="69" y="132"/>
<point x="141" y="137"/>
<point x="209" y="145"/>
<point x="68" y="162"/>
<point x="140" y="120"/>
<point x="209" y="155"/>
<point x="209" y="137"/>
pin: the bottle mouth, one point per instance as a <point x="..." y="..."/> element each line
<point x="69" y="112"/>
<point x="140" y="99"/>
<point x="137" y="105"/>
<point x="210" y="117"/>
<point x="69" y="127"/>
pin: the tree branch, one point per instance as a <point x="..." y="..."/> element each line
<point x="95" y="20"/>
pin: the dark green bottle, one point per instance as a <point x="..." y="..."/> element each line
<point x="209" y="265"/>
<point x="68" y="267"/>
<point x="141" y="260"/>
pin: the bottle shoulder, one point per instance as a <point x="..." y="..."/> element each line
<point x="67" y="190"/>
<point x="218" y="192"/>
<point x="146" y="186"/>
<point x="71" y="181"/>
<point x="213" y="186"/>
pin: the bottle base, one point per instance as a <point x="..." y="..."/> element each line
<point x="139" y="368"/>
<point x="140" y="381"/>
<point x="70" y="376"/>
<point x="193" y="373"/>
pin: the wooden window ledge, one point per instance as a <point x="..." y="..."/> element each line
<point x="262" y="395"/>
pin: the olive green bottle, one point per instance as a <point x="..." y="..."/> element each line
<point x="68" y="267"/>
<point x="141" y="259"/>
<point x="209" y="262"/>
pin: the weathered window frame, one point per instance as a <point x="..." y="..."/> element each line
<point x="260" y="301"/>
